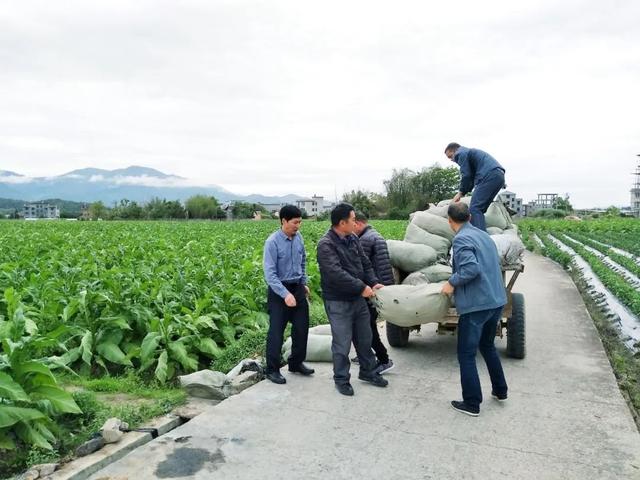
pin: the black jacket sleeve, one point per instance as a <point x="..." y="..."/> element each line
<point x="369" y="275"/>
<point x="382" y="262"/>
<point x="332" y="272"/>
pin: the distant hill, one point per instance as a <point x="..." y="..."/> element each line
<point x="135" y="183"/>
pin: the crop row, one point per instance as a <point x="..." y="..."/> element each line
<point x="613" y="281"/>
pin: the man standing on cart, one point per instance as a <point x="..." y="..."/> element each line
<point x="479" y="172"/>
<point x="480" y="297"/>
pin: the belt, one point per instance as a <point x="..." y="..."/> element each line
<point x="293" y="284"/>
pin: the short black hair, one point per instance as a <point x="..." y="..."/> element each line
<point x="452" y="146"/>
<point x="290" y="211"/>
<point x="459" y="212"/>
<point x="342" y="211"/>
<point x="361" y="216"/>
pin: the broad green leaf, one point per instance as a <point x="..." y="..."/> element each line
<point x="30" y="326"/>
<point x="161" y="369"/>
<point x="11" y="415"/>
<point x="32" y="368"/>
<point x="61" y="401"/>
<point x="179" y="353"/>
<point x="118" y="322"/>
<point x="112" y="352"/>
<point x="149" y="345"/>
<point x="229" y="333"/>
<point x="86" y="346"/>
<point x="11" y="390"/>
<point x="69" y="311"/>
<point x="209" y="347"/>
<point x="70" y="357"/>
<point x="33" y="436"/>
<point x="109" y="336"/>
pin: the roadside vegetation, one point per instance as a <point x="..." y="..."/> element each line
<point x="92" y="311"/>
<point x="619" y="240"/>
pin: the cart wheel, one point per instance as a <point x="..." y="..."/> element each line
<point x="397" y="336"/>
<point x="516" y="338"/>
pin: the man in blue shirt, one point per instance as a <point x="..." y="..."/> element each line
<point x="479" y="172"/>
<point x="285" y="274"/>
<point x="479" y="296"/>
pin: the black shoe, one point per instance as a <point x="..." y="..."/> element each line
<point x="345" y="389"/>
<point x="500" y="398"/>
<point x="464" y="408"/>
<point x="276" y="377"/>
<point x="302" y="369"/>
<point x="374" y="379"/>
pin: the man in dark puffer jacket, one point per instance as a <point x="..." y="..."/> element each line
<point x="347" y="279"/>
<point x="375" y="248"/>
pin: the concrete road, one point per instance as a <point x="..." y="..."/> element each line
<point x="565" y="417"/>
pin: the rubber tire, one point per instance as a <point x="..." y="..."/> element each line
<point x="397" y="336"/>
<point x="516" y="335"/>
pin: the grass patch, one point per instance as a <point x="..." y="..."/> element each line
<point x="252" y="344"/>
<point x="92" y="396"/>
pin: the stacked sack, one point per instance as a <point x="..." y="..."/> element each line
<point x="421" y="260"/>
<point x="500" y="227"/>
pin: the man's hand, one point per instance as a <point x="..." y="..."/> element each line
<point x="378" y="286"/>
<point x="307" y="292"/>
<point x="367" y="292"/>
<point x="447" y="289"/>
<point x="290" y="300"/>
<point x="457" y="197"/>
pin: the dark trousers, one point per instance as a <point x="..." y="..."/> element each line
<point x="279" y="315"/>
<point x="378" y="347"/>
<point x="477" y="331"/>
<point x="350" y="322"/>
<point x="483" y="194"/>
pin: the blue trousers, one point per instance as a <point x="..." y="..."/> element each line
<point x="483" y="194"/>
<point x="477" y="331"/>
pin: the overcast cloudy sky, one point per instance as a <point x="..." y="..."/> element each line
<point x="280" y="97"/>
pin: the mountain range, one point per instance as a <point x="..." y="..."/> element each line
<point x="133" y="183"/>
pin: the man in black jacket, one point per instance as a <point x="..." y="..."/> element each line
<point x="375" y="248"/>
<point x="347" y="279"/>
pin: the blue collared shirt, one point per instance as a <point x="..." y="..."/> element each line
<point x="284" y="261"/>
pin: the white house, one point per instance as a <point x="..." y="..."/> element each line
<point x="313" y="206"/>
<point x="35" y="210"/>
<point x="510" y="200"/>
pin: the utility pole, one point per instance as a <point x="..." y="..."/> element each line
<point x="635" y="191"/>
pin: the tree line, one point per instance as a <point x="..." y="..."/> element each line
<point x="196" y="207"/>
<point x="407" y="191"/>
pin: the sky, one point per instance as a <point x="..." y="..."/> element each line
<point x="278" y="97"/>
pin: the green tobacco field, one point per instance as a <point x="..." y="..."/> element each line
<point x="84" y="303"/>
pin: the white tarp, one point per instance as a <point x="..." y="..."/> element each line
<point x="510" y="248"/>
